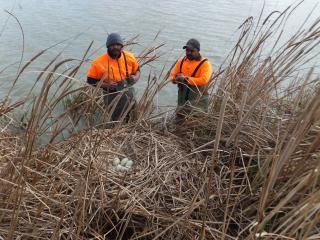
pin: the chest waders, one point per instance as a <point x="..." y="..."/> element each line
<point x="195" y="95"/>
<point x="119" y="98"/>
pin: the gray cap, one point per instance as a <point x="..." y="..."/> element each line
<point x="192" y="44"/>
<point x="114" y="38"/>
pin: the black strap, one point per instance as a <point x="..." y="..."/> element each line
<point x="125" y="63"/>
<point x="181" y="63"/>
<point x="119" y="69"/>
<point x="197" y="68"/>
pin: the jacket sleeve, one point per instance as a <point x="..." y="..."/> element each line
<point x="95" y="71"/>
<point x="135" y="65"/>
<point x="205" y="72"/>
<point x="132" y="61"/>
<point x="175" y="70"/>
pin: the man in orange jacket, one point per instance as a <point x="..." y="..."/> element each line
<point x="192" y="73"/>
<point x="115" y="72"/>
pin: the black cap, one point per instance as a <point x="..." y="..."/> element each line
<point x="114" y="38"/>
<point x="192" y="44"/>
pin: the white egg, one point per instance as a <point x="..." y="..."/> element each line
<point x="125" y="169"/>
<point x="116" y="161"/>
<point x="119" y="168"/>
<point x="129" y="164"/>
<point x="124" y="161"/>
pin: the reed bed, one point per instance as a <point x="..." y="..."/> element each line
<point x="248" y="168"/>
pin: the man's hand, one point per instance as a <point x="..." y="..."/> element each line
<point x="130" y="80"/>
<point x="179" y="78"/>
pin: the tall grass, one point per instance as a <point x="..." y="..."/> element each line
<point x="246" y="169"/>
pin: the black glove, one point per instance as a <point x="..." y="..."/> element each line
<point x="130" y="80"/>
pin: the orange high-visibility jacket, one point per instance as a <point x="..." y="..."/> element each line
<point x="116" y="70"/>
<point x="202" y="75"/>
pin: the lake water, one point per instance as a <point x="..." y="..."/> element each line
<point x="213" y="22"/>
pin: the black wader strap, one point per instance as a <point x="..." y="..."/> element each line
<point x="197" y="68"/>
<point x="125" y="63"/>
<point x="180" y="71"/>
<point x="181" y="64"/>
<point x="193" y="75"/>
<point x="120" y="85"/>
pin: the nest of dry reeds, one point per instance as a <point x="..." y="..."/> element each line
<point x="72" y="186"/>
